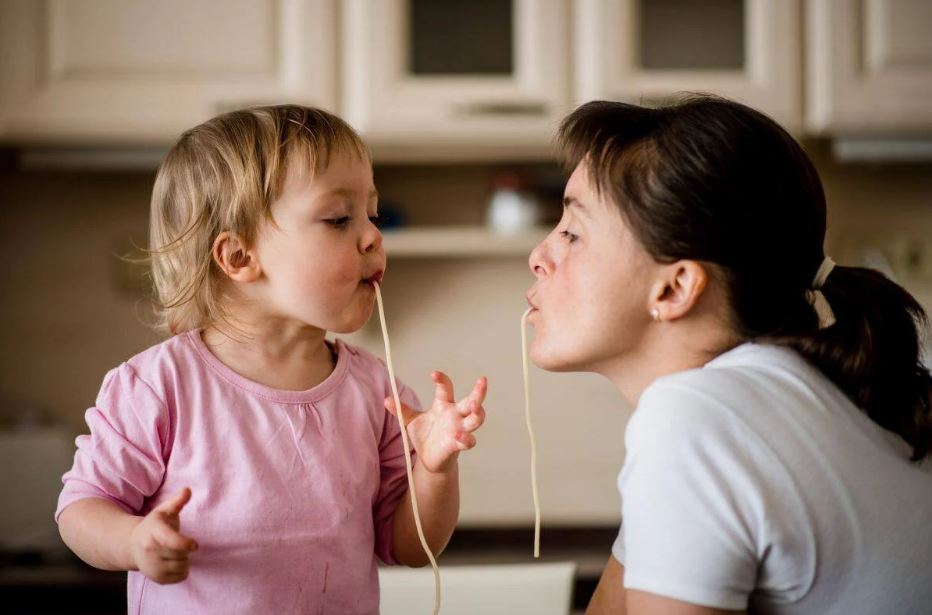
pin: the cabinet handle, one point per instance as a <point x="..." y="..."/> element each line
<point x="502" y="108"/>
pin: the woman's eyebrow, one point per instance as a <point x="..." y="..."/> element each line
<point x="572" y="201"/>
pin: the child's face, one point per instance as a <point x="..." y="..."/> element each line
<point x="593" y="283"/>
<point x="320" y="256"/>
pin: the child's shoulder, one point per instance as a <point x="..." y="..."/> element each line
<point x="360" y="359"/>
<point x="367" y="367"/>
<point x="169" y="356"/>
<point x="156" y="371"/>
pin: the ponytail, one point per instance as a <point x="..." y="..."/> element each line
<point x="873" y="352"/>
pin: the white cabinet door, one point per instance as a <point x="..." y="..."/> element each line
<point x="646" y="51"/>
<point x="459" y="72"/>
<point x="869" y="66"/>
<point x="140" y="70"/>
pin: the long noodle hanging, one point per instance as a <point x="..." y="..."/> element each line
<point x="407" y="451"/>
<point x="530" y="431"/>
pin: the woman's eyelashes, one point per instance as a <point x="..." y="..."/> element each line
<point x="568" y="236"/>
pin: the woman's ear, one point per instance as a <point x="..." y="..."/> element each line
<point x="235" y="259"/>
<point x="678" y="290"/>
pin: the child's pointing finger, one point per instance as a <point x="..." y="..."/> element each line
<point x="174" y="504"/>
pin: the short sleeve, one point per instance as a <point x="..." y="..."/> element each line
<point x="393" y="478"/>
<point x="690" y="511"/>
<point x="122" y="459"/>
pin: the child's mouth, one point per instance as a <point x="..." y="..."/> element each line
<point x="375" y="278"/>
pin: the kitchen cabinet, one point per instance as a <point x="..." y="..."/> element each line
<point x="869" y="66"/>
<point x="140" y="71"/>
<point x="460" y="79"/>
<point x="462" y="72"/>
<point x="646" y="51"/>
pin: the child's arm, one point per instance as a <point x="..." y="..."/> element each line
<point x="438" y="436"/>
<point x="105" y="536"/>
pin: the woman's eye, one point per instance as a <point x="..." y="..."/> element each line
<point x="568" y="236"/>
<point x="376" y="220"/>
<point x="338" y="222"/>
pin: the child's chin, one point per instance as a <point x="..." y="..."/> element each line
<point x="352" y="325"/>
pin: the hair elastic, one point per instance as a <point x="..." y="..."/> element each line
<point x="816" y="297"/>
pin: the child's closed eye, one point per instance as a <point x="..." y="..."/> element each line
<point x="340" y="222"/>
<point x="343" y="221"/>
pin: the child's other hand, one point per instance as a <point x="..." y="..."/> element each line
<point x="157" y="546"/>
<point x="446" y="428"/>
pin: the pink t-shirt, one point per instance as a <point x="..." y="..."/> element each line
<point x="293" y="491"/>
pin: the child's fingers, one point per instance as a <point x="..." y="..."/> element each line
<point x="172" y="572"/>
<point x="475" y="419"/>
<point x="479" y="390"/>
<point x="444" y="389"/>
<point x="465" y="441"/>
<point x="174" y="555"/>
<point x="174" y="504"/>
<point x="408" y="413"/>
<point x="169" y="538"/>
<point x="175" y="568"/>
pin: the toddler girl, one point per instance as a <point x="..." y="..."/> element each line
<point x="247" y="464"/>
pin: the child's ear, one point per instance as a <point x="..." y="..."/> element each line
<point x="679" y="289"/>
<point x="234" y="258"/>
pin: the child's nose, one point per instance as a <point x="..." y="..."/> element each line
<point x="539" y="261"/>
<point x="371" y="240"/>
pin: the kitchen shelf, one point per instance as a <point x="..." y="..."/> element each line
<point x="459" y="241"/>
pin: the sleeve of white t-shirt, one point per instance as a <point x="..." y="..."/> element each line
<point x="690" y="508"/>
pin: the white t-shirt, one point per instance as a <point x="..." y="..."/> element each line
<point x="754" y="483"/>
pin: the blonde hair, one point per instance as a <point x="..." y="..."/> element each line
<point x="223" y="175"/>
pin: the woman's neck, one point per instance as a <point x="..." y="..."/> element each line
<point x="673" y="347"/>
<point x="279" y="354"/>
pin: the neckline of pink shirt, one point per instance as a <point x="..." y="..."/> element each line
<point x="313" y="394"/>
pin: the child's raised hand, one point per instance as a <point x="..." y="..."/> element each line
<point x="446" y="428"/>
<point x="158" y="548"/>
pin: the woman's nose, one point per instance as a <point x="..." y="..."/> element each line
<point x="539" y="262"/>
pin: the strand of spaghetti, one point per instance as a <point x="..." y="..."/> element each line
<point x="530" y="431"/>
<point x="407" y="447"/>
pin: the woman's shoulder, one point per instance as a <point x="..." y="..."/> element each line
<point x="732" y="388"/>
<point x="727" y="379"/>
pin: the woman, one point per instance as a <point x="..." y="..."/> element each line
<point x="782" y="411"/>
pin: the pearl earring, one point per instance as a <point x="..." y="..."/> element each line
<point x="655" y="314"/>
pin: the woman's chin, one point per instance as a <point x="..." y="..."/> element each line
<point x="551" y="360"/>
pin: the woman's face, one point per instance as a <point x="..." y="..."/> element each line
<point x="590" y="299"/>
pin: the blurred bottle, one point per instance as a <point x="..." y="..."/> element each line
<point x="512" y="207"/>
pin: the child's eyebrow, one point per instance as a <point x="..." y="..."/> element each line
<point x="350" y="193"/>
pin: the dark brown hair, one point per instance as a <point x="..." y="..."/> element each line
<point x="711" y="180"/>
